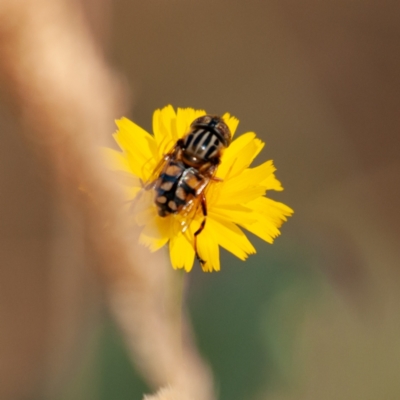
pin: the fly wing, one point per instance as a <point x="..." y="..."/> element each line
<point x="189" y="212"/>
<point x="126" y="179"/>
<point x="150" y="182"/>
<point x="145" y="198"/>
<point x="192" y="207"/>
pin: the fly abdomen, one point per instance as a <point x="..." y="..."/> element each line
<point x="174" y="192"/>
<point x="166" y="186"/>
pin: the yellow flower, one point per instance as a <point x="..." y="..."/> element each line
<point x="236" y="201"/>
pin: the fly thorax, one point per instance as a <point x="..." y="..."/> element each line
<point x="201" y="145"/>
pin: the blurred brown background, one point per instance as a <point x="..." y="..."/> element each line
<point x="319" y="82"/>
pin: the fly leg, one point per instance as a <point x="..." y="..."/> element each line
<point x="202" y="225"/>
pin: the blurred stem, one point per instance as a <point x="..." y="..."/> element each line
<point x="40" y="42"/>
<point x="177" y="303"/>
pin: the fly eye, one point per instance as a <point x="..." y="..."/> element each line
<point x="226" y="133"/>
<point x="203" y="120"/>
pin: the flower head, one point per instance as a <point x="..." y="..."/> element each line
<point x="235" y="198"/>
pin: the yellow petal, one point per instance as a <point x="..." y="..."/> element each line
<point x="127" y="179"/>
<point x="183" y="121"/>
<point x="131" y="193"/>
<point x="139" y="148"/>
<point x="232" y="193"/>
<point x="208" y="250"/>
<point x="115" y="160"/>
<point x="143" y="208"/>
<point x="153" y="243"/>
<point x="164" y="128"/>
<point x="256" y="175"/>
<point x="233" y="212"/>
<point x="231" y="121"/>
<point x="181" y="252"/>
<point x="270" y="216"/>
<point x="231" y="238"/>
<point x="271" y="209"/>
<point x="239" y="155"/>
<point x="249" y="185"/>
<point x="264" y="229"/>
<point x="271" y="183"/>
<point x="122" y="173"/>
<point x="155" y="233"/>
<point x="185" y="117"/>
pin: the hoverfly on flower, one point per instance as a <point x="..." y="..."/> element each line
<point x="181" y="178"/>
<point x="191" y="186"/>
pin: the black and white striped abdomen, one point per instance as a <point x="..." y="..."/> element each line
<point x="202" y="143"/>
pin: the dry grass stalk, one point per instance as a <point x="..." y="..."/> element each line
<point x="67" y="99"/>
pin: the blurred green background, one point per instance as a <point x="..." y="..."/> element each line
<point x="316" y="315"/>
<point x="245" y="321"/>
